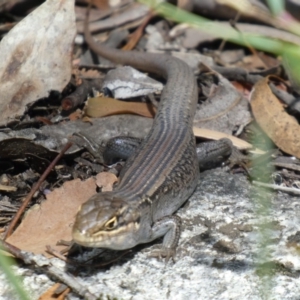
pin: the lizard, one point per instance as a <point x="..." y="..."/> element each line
<point x="160" y="176"/>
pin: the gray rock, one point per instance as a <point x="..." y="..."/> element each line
<point x="224" y="251"/>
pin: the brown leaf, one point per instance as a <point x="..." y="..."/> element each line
<point x="105" y="106"/>
<point x="76" y="115"/>
<point x="87" y="119"/>
<point x="282" y="128"/>
<point x="53" y="219"/>
<point x="106" y="181"/>
<point x="36" y="57"/>
<point x="89" y="74"/>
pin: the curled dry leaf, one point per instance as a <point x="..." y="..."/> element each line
<point x="36" y="57"/>
<point x="105" y="106"/>
<point x="282" y="128"/>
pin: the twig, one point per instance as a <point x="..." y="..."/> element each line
<point x="79" y="95"/>
<point x="232" y="22"/>
<point x="277" y="187"/>
<point x="137" y="34"/>
<point x="45" y="263"/>
<point x="33" y="190"/>
<point x="55" y="253"/>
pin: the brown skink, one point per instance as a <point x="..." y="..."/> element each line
<point x="162" y="173"/>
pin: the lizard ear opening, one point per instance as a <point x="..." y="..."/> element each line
<point x="111" y="224"/>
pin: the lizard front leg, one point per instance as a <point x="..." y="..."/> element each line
<point x="169" y="227"/>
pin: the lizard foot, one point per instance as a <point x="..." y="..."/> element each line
<point x="163" y="253"/>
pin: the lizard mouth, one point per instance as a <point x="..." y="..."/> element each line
<point x="123" y="238"/>
<point x="83" y="239"/>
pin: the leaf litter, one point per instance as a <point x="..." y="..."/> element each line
<point x="36" y="59"/>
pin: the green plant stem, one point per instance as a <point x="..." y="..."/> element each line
<point x="15" y="282"/>
<point x="180" y="16"/>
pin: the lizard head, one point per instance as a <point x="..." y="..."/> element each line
<point x="106" y="221"/>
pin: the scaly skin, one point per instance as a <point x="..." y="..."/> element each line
<point x="161" y="175"/>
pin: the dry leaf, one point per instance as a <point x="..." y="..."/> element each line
<point x="76" y="115"/>
<point x="7" y="188"/>
<point x="138" y="33"/>
<point x="105" y="106"/>
<point x="36" y="57"/>
<point x="53" y="219"/>
<point x="253" y="9"/>
<point x="106" y="181"/>
<point x="89" y="74"/>
<point x="282" y="128"/>
<point x="126" y="83"/>
<point x="243" y="88"/>
<point x="216" y="135"/>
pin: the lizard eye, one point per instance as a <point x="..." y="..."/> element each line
<point x="111" y="224"/>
